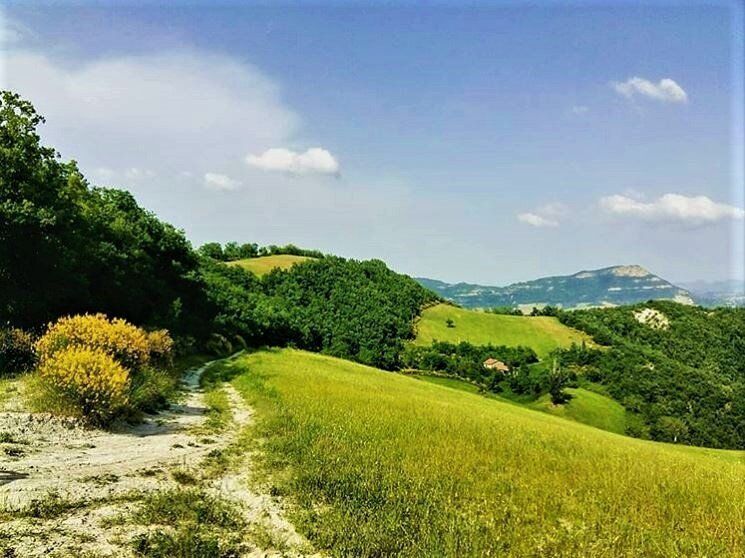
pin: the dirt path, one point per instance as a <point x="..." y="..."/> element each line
<point x="94" y="474"/>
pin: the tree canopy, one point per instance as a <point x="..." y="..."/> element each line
<point x="691" y="370"/>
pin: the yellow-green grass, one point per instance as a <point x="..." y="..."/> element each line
<point x="542" y="333"/>
<point x="381" y="464"/>
<point x="8" y="389"/>
<point x="587" y="407"/>
<point x="453" y="383"/>
<point x="262" y="265"/>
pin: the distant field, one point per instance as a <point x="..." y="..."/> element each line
<point x="542" y="333"/>
<point x="381" y="464"/>
<point x="264" y="264"/>
<point x="585" y="406"/>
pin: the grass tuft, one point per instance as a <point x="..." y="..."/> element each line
<point x="190" y="524"/>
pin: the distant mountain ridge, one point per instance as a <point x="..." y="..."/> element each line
<point x="610" y="286"/>
<point x="717" y="293"/>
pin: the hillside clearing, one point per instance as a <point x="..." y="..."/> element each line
<point x="405" y="467"/>
<point x="264" y="264"/>
<point x="541" y="333"/>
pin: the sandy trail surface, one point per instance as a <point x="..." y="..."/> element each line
<point x="96" y="472"/>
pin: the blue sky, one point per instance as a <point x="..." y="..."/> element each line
<point x="489" y="143"/>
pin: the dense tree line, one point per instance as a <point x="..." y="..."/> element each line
<point x="687" y="379"/>
<point x="505" y="310"/>
<point x="68" y="248"/>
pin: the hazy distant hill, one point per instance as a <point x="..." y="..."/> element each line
<point x="611" y="286"/>
<point x="717" y="293"/>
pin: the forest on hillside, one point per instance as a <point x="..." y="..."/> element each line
<point x="685" y="376"/>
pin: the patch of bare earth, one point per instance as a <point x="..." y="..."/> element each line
<point x="652" y="318"/>
<point x="64" y="488"/>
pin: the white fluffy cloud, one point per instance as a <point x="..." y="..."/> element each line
<point x="536" y="220"/>
<point x="672" y="208"/>
<point x="548" y="215"/>
<point x="665" y="90"/>
<point x="215" y="181"/>
<point x="312" y="161"/>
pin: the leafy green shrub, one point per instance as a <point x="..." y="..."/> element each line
<point x="219" y="345"/>
<point x="16" y="351"/>
<point x="151" y="389"/>
<point x="239" y="343"/>
<point x="184" y="345"/>
<point x="85" y="382"/>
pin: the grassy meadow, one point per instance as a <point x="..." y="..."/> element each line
<point x="453" y="383"/>
<point x="264" y="264"/>
<point x="542" y="333"/>
<point x="585" y="406"/>
<point x="382" y="464"/>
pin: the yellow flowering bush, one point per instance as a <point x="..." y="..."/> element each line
<point x="87" y="381"/>
<point x="160" y="347"/>
<point x="124" y="342"/>
<point x="98" y="367"/>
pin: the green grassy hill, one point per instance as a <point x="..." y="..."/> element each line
<point x="381" y="464"/>
<point x="264" y="264"/>
<point x="586" y="406"/>
<point x="541" y="333"/>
